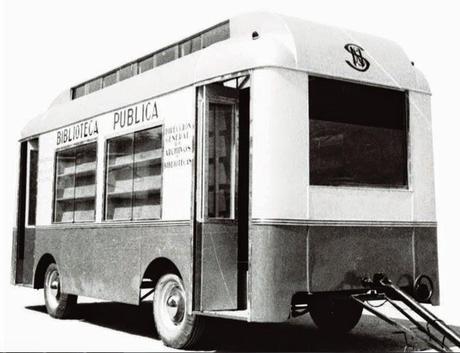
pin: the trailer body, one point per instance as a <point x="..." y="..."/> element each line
<point x="305" y="205"/>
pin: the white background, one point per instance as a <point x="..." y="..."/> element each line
<point x="47" y="46"/>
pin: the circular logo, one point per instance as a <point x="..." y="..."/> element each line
<point x="358" y="61"/>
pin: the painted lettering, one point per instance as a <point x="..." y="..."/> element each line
<point x="138" y="114"/>
<point x="77" y="132"/>
<point x="178" y="145"/>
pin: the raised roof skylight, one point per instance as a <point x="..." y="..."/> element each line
<point x="187" y="46"/>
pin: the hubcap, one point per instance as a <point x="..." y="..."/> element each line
<point x="53" y="289"/>
<point x="54" y="284"/>
<point x="175" y="304"/>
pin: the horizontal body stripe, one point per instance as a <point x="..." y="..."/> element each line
<point x="130" y="224"/>
<point x="256" y="221"/>
<point x="304" y="222"/>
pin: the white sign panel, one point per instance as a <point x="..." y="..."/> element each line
<point x="123" y="120"/>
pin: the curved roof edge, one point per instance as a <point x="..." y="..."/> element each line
<point x="282" y="41"/>
<point x="422" y="83"/>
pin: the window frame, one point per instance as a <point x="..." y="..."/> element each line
<point x="205" y="97"/>
<point x="106" y="171"/>
<point x="218" y="101"/>
<point x="53" y="200"/>
<point x="407" y="129"/>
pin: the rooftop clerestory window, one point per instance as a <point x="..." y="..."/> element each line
<point x="173" y="52"/>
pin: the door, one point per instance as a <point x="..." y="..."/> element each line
<point x="24" y="238"/>
<point x="221" y="222"/>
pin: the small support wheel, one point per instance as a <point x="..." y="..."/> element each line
<point x="58" y="305"/>
<point x="335" y="315"/>
<point x="176" y="328"/>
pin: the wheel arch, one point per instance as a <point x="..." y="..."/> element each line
<point x="40" y="269"/>
<point x="159" y="267"/>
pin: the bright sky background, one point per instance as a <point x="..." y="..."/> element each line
<point x="49" y="45"/>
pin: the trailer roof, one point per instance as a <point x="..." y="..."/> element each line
<point x="256" y="40"/>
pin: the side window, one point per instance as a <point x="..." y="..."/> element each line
<point x="358" y="134"/>
<point x="75" y="186"/>
<point x="134" y="176"/>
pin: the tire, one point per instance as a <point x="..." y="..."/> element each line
<point x="176" y="328"/>
<point x="335" y="315"/>
<point x="58" y="305"/>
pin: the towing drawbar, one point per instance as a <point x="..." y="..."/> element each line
<point x="380" y="287"/>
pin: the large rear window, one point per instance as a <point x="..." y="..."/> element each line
<point x="358" y="134"/>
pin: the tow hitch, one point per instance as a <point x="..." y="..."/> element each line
<point x="381" y="288"/>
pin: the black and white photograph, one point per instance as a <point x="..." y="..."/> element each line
<point x="230" y="176"/>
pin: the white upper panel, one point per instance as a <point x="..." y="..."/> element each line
<point x="279" y="135"/>
<point x="282" y="42"/>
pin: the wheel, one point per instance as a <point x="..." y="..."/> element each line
<point x="176" y="328"/>
<point x="59" y="305"/>
<point x="335" y="315"/>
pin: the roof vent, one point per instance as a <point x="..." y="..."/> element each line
<point x="255" y="35"/>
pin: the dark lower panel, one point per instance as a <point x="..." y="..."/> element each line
<point x="277" y="270"/>
<point x="339" y="257"/>
<point x="14" y="258"/>
<point x="286" y="259"/>
<point x="426" y="257"/>
<point x="218" y="257"/>
<point x="22" y="259"/>
<point x="29" y="249"/>
<point x="109" y="262"/>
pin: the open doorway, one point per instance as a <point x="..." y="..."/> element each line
<point x="222" y="196"/>
<point x="26" y="212"/>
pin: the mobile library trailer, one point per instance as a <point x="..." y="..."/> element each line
<point x="263" y="168"/>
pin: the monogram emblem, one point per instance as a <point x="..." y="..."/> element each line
<point x="359" y="62"/>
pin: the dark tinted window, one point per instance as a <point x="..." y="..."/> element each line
<point x="79" y="91"/>
<point x="94" y="85"/>
<point x="358" y="134"/>
<point x="110" y="79"/>
<point x="146" y="64"/>
<point x="167" y="55"/>
<point x="216" y="34"/>
<point x="127" y="72"/>
<point x="191" y="45"/>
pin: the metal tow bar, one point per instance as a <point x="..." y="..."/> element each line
<point x="381" y="288"/>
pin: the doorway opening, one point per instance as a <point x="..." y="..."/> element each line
<point x="26" y="213"/>
<point x="222" y="195"/>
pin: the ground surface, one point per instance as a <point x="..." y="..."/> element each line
<point x="117" y="327"/>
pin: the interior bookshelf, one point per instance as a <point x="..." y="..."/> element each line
<point x="133" y="185"/>
<point x="75" y="191"/>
